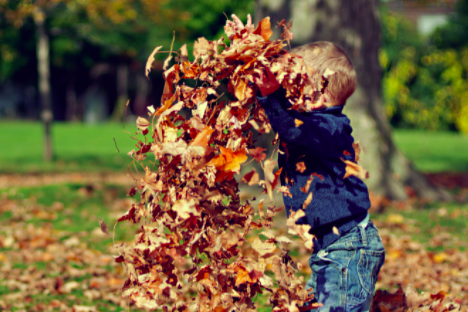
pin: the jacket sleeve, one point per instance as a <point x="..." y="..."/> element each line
<point x="317" y="132"/>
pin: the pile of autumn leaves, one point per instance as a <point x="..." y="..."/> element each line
<point x="191" y="253"/>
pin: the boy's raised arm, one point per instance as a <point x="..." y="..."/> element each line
<point x="315" y="132"/>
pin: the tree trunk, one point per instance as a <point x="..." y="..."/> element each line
<point x="43" y="69"/>
<point x="354" y="26"/>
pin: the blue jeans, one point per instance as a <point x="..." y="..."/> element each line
<point x="344" y="274"/>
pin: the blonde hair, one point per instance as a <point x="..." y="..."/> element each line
<point x="321" y="55"/>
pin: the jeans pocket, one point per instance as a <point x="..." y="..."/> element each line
<point x="369" y="266"/>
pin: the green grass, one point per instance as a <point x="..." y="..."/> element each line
<point x="435" y="219"/>
<point x="82" y="147"/>
<point x="434" y="151"/>
<point x="77" y="147"/>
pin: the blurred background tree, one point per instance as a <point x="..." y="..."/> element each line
<point x="98" y="48"/>
<point x="425" y="84"/>
<point x="90" y="54"/>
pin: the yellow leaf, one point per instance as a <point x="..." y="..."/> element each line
<point x="150" y="60"/>
<point x="353" y="169"/>
<point x="307" y="201"/>
<point x="240" y="89"/>
<point x="298" y="122"/>
<point x="263" y="248"/>
<point x="242" y="276"/>
<point x="336" y="231"/>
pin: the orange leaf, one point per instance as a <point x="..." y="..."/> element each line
<point x="218" y="161"/>
<point x="203" y="137"/>
<point x="233" y="159"/>
<point x="242" y="276"/>
<point x="298" y="122"/>
<point x="300" y="166"/>
<point x="353" y="169"/>
<point x="264" y="28"/>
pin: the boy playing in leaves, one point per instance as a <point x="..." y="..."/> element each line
<point x="348" y="251"/>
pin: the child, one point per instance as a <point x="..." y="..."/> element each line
<point x="348" y="251"/>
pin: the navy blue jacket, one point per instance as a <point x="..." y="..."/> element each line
<point x="320" y="142"/>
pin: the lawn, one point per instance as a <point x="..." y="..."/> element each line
<point x="77" y="147"/>
<point x="434" y="151"/>
<point x="81" y="147"/>
<point x="54" y="257"/>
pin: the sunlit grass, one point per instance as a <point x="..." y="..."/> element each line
<point x="77" y="147"/>
<point x="434" y="151"/>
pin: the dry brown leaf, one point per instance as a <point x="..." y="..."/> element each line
<point x="150" y="60"/>
<point x="353" y="169"/>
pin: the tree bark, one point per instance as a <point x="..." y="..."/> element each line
<point x="354" y="26"/>
<point x="43" y="68"/>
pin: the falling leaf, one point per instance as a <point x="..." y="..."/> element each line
<point x="300" y="166"/>
<point x="167" y="61"/>
<point x="183" y="54"/>
<point x="357" y="151"/>
<point x="298" y="122"/>
<point x="103" y="226"/>
<point x="233" y="159"/>
<point x="307" y="201"/>
<point x="336" y="231"/>
<point x="203" y="137"/>
<point x="150" y="60"/>
<point x="262" y="248"/>
<point x="264" y="28"/>
<point x="251" y="178"/>
<point x="258" y="153"/>
<point x="353" y="169"/>
<point x="142" y="123"/>
<point x="287" y="34"/>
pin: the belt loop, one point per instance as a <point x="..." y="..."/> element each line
<point x="363" y="235"/>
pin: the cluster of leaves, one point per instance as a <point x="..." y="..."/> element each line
<point x="424" y="85"/>
<point x="192" y="253"/>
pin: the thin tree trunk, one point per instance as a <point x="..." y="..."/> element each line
<point x="354" y="26"/>
<point x="43" y="69"/>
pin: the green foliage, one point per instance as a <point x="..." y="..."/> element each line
<point x="424" y="86"/>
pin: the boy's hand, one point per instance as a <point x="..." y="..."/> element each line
<point x="237" y="25"/>
<point x="266" y="82"/>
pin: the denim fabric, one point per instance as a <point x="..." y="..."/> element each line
<point x="344" y="274"/>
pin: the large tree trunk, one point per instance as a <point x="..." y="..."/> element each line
<point x="44" y="81"/>
<point x="354" y="26"/>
